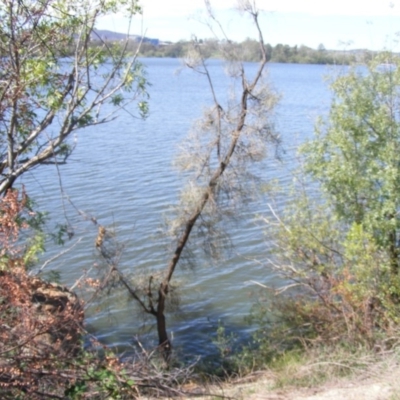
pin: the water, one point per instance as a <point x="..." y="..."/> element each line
<point x="122" y="174"/>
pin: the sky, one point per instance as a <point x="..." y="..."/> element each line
<point x="337" y="24"/>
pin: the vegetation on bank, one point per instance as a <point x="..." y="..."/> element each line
<point x="249" y="50"/>
<point x="338" y="255"/>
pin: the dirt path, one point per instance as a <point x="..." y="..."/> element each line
<point x="379" y="383"/>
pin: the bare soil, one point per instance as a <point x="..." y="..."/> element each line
<point x="379" y="382"/>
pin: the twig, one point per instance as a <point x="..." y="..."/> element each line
<point x="47" y="262"/>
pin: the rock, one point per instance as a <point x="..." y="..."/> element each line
<point x="55" y="301"/>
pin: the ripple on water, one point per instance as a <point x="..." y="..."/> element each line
<point x="122" y="175"/>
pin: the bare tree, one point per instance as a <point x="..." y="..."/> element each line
<point x="217" y="156"/>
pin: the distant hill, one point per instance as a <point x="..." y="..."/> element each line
<point x="105" y="35"/>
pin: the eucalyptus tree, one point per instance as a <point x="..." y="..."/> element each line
<point x="216" y="158"/>
<point x="53" y="81"/>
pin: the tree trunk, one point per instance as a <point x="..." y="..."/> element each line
<point x="163" y="340"/>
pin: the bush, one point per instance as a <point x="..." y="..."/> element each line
<point x="338" y="255"/>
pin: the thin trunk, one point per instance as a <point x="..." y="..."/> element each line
<point x="12" y="131"/>
<point x="163" y="340"/>
<point x="208" y="193"/>
<point x="157" y="307"/>
<point x="394" y="254"/>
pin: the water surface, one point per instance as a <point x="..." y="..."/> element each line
<point x="122" y="174"/>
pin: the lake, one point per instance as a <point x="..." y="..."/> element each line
<point x="122" y="174"/>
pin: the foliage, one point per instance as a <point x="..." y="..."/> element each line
<point x="53" y="82"/>
<point x="249" y="50"/>
<point x="21" y="237"/>
<point x="355" y="156"/>
<point x="337" y="284"/>
<point x="306" y="55"/>
<point x="30" y="336"/>
<point x="338" y="254"/>
<point x="33" y="341"/>
<point x="239" y="358"/>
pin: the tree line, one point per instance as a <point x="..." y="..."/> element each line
<point x="249" y="50"/>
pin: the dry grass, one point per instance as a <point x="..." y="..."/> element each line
<point x="359" y="377"/>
